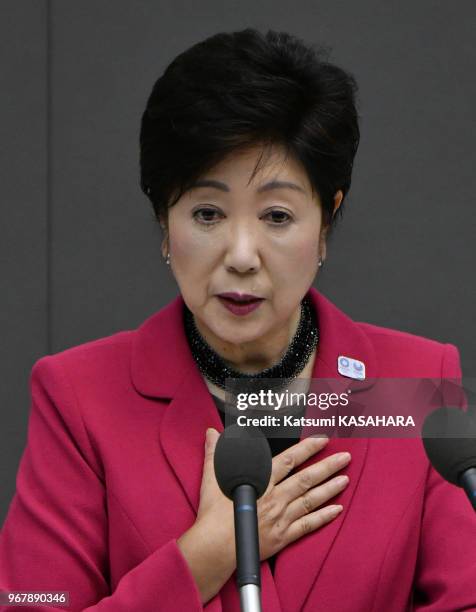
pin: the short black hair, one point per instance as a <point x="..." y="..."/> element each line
<point x="238" y="89"/>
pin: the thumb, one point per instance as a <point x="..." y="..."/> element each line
<point x="211" y="437"/>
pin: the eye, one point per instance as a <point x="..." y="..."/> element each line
<point x="280" y="217"/>
<point x="204" y="215"/>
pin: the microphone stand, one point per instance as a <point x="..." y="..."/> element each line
<point x="248" y="576"/>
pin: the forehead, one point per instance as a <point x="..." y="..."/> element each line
<point x="255" y="165"/>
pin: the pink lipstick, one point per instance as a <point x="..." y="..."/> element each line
<point x="240" y="303"/>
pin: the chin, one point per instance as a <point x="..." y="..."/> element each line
<point x="236" y="333"/>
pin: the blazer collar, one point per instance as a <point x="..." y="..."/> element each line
<point x="161" y="357"/>
<point x="162" y="366"/>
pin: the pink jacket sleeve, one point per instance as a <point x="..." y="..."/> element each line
<point x="55" y="534"/>
<point x="446" y="565"/>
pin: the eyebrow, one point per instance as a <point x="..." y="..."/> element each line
<point x="266" y="187"/>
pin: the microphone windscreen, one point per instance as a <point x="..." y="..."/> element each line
<point x="242" y="456"/>
<point x="449" y="438"/>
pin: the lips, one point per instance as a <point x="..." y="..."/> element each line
<point x="240" y="298"/>
<point x="240" y="308"/>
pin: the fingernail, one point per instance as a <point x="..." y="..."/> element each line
<point x="320" y="440"/>
<point x="342" y="457"/>
<point x="321" y="437"/>
<point x="340" y="480"/>
<point x="335" y="510"/>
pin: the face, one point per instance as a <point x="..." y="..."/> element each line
<point x="261" y="237"/>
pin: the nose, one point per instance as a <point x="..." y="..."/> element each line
<point x="242" y="253"/>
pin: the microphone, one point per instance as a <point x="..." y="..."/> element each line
<point x="243" y="464"/>
<point x="449" y="438"/>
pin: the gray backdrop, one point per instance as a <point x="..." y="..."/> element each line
<point x="80" y="253"/>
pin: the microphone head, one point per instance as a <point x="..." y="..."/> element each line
<point x="242" y="456"/>
<point x="449" y="438"/>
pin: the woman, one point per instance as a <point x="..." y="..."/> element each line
<point x="247" y="146"/>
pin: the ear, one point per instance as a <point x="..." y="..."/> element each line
<point x="323" y="242"/>
<point x="162" y="223"/>
<point x="338" y="197"/>
<point x="164" y="247"/>
<point x="165" y="231"/>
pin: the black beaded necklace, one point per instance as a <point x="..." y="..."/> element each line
<point x="215" y="369"/>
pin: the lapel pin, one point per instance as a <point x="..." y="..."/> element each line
<point x="353" y="368"/>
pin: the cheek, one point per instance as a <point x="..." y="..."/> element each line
<point x="189" y="249"/>
<point x="182" y="249"/>
<point x="298" y="254"/>
<point x="193" y="259"/>
<point x="306" y="251"/>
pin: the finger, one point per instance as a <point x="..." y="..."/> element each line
<point x="311" y="522"/>
<point x="297" y="484"/>
<point x="211" y="439"/>
<point x="315" y="498"/>
<point x="293" y="456"/>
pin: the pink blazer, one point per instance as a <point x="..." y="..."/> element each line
<point x="111" y="473"/>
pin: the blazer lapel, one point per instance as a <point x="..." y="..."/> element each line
<point x="163" y="366"/>
<point x="182" y="433"/>
<point x="301" y="562"/>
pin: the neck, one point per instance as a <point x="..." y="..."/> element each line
<point x="306" y="374"/>
<point x="258" y="355"/>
